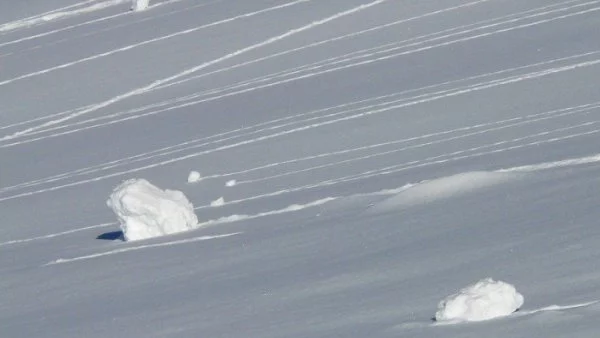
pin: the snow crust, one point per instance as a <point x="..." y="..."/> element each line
<point x="146" y="211"/>
<point x="483" y="300"/>
<point x="139" y="5"/>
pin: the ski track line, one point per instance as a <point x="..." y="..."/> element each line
<point x="140" y="247"/>
<point x="323" y="72"/>
<point x="420" y="163"/>
<point x="553" y="165"/>
<point x="41" y="118"/>
<point x="344" y="36"/>
<point x="304" y="67"/>
<point x="482" y="86"/>
<point x="394" y="151"/>
<point x="97" y="106"/>
<point x="58" y="234"/>
<point x="209" y="63"/>
<point x="131" y="160"/>
<point x="95" y="32"/>
<point x="323" y="42"/>
<point x="260" y="87"/>
<point x="520" y="313"/>
<point x="16" y="24"/>
<point x="56" y="14"/>
<point x="564" y="111"/>
<point x="210" y="99"/>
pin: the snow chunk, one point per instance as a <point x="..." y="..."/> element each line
<point x="146" y="211"/>
<point x="231" y="183"/>
<point x="483" y="300"/>
<point x="194" y="177"/>
<point x="218" y="202"/>
<point x="139" y="5"/>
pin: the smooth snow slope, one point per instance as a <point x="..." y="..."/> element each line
<point x="385" y="154"/>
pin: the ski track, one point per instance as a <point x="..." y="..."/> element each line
<point x="193" y="69"/>
<point x="58" y="234"/>
<point x="277" y="120"/>
<point x="397" y="45"/>
<point x="44" y="129"/>
<point x="101" y="19"/>
<point x="418" y="100"/>
<point x="140" y="247"/>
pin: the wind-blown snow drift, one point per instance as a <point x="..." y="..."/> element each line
<point x="146" y="211"/>
<point x="483" y="300"/>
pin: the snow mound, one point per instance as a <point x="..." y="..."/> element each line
<point x="139" y="5"/>
<point x="218" y="202"/>
<point x="440" y="188"/>
<point x="194" y="177"/>
<point x="483" y="300"/>
<point x="146" y="211"/>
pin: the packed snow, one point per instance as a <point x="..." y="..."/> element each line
<point x="486" y="299"/>
<point x="194" y="177"/>
<point x="146" y="211"/>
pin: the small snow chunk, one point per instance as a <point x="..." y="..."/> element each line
<point x="231" y="183"/>
<point x="139" y="5"/>
<point x="146" y="211"/>
<point x="218" y="202"/>
<point x="194" y="177"/>
<point x="483" y="300"/>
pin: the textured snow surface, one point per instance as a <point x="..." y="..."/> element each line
<point x="360" y="160"/>
<point x="483" y="300"/>
<point x="145" y="211"/>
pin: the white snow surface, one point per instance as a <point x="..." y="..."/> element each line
<point x="385" y="153"/>
<point x="486" y="299"/>
<point x="146" y="211"/>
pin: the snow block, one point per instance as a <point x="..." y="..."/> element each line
<point x="146" y="211"/>
<point x="483" y="300"/>
<point x="139" y="5"/>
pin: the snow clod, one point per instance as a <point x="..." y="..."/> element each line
<point x="218" y="202"/>
<point x="231" y="183"/>
<point x="194" y="177"/>
<point x="483" y="300"/>
<point x="146" y="211"/>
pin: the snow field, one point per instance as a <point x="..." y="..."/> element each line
<point x="486" y="299"/>
<point x="145" y="211"/>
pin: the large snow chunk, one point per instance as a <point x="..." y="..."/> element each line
<point x="483" y="300"/>
<point x="139" y="5"/>
<point x="146" y="211"/>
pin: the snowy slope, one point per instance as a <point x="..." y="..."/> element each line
<point x="385" y="154"/>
